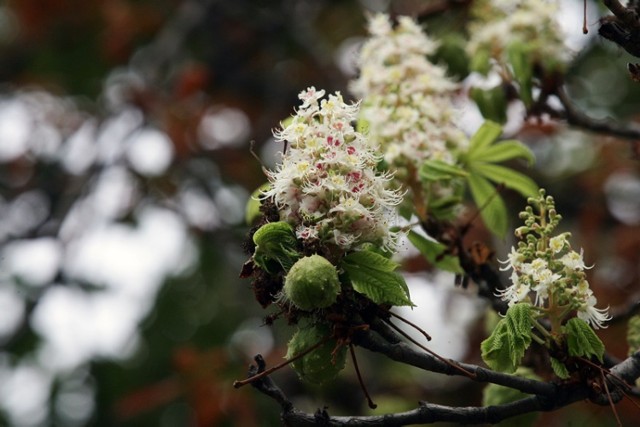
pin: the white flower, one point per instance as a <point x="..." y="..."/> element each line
<point x="327" y="185"/>
<point x="500" y="23"/>
<point x="513" y="261"/>
<point x="573" y="261"/>
<point x="407" y="100"/>
<point x="558" y="243"/>
<point x="515" y="293"/>
<point x="544" y="279"/>
<point x="596" y="317"/>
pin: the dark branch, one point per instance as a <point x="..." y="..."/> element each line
<point x="558" y="396"/>
<point x="620" y="314"/>
<point x="575" y="117"/>
<point x="401" y="352"/>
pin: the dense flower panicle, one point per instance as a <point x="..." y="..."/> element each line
<point x="549" y="267"/>
<point x="501" y="22"/>
<point x="327" y="185"/>
<point x="407" y="100"/>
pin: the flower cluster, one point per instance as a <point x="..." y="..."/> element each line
<point x="327" y="185"/>
<point x="407" y="100"/>
<point x="546" y="265"/>
<point x="500" y="23"/>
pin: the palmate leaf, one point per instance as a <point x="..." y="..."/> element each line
<point x="505" y="347"/>
<point x="373" y="275"/>
<point x="433" y="251"/>
<point x="502" y="151"/>
<point x="436" y="170"/>
<point x="484" y="137"/>
<point x="507" y="177"/>
<point x="493" y="210"/>
<point x="582" y="341"/>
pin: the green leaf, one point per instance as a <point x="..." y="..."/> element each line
<point x="275" y="242"/>
<point x="507" y="177"/>
<point x="372" y="260"/>
<point x="559" y="369"/>
<point x="480" y="62"/>
<point x="437" y="170"/>
<point x="492" y="103"/>
<point x="493" y="209"/>
<point x="519" y="55"/>
<point x="373" y="275"/>
<point x="504" y="150"/>
<point x="633" y="334"/>
<point x="452" y="52"/>
<point x="505" y="347"/>
<point x="434" y="252"/>
<point x="487" y="134"/>
<point x="582" y="340"/>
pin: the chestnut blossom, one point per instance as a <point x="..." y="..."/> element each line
<point x="549" y="267"/>
<point x="499" y="23"/>
<point x="327" y="185"/>
<point x="407" y="100"/>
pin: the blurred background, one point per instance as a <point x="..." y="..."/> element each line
<point x="125" y="166"/>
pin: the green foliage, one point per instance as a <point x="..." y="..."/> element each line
<point x="437" y="170"/>
<point x="435" y="253"/>
<point x="633" y="334"/>
<point x="494" y="394"/>
<point x="494" y="211"/>
<point x="492" y="103"/>
<point x="505" y="347"/>
<point x="452" y="52"/>
<point x="582" y="341"/>
<point x="519" y="56"/>
<point x="559" y="369"/>
<point x="275" y="244"/>
<point x="322" y="364"/>
<point x="479" y="162"/>
<point x="373" y="275"/>
<point x="481" y="62"/>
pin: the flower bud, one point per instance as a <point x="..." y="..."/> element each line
<point x="312" y="283"/>
<point x="322" y="364"/>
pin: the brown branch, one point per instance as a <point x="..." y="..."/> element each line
<point x="554" y="397"/>
<point x="627" y="15"/>
<point x="575" y="117"/>
<point x="623" y="313"/>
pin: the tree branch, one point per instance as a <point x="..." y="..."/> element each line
<point x="559" y="396"/>
<point x="401" y="352"/>
<point x="575" y="117"/>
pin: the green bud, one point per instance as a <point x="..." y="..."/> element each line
<point x="312" y="283"/>
<point x="275" y="242"/>
<point x="322" y="364"/>
<point x="521" y="231"/>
